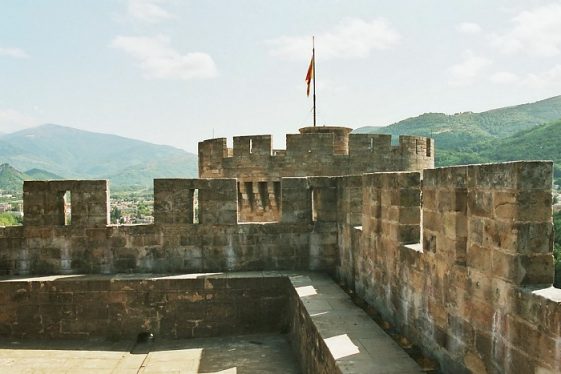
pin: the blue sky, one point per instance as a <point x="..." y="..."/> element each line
<point x="179" y="71"/>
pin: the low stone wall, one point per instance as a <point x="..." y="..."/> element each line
<point x="304" y="238"/>
<point x="121" y="307"/>
<point x="332" y="335"/>
<point x="329" y="334"/>
<point x="309" y="345"/>
<point x="159" y="249"/>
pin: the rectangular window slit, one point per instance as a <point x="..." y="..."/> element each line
<point x="67" y="198"/>
<point x="249" y="191"/>
<point x="196" y="206"/>
<point x="240" y="199"/>
<point x="263" y="194"/>
<point x="314" y="205"/>
<point x="277" y="193"/>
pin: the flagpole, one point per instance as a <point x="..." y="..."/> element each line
<point x="314" y="71"/>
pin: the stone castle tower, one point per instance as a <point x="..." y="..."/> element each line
<point x="316" y="151"/>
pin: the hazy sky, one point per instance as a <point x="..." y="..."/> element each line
<point x="178" y="71"/>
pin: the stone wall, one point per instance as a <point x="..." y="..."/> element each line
<point x="121" y="307"/>
<point x="316" y="151"/>
<point x="459" y="259"/>
<point x="44" y="204"/>
<point x="476" y="292"/>
<point x="175" y="242"/>
<point x="312" y="154"/>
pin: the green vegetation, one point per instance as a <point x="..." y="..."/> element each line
<point x="463" y="129"/>
<point x="11" y="179"/>
<point x="40" y="174"/>
<point x="116" y="215"/>
<point x="143" y="209"/>
<point x="523" y="132"/>
<point x="9" y="219"/>
<point x="539" y="143"/>
<point x="78" y="154"/>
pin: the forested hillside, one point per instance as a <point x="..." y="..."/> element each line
<point x="464" y="129"/>
<point x="73" y="153"/>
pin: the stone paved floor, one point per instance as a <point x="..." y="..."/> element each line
<point x="258" y="354"/>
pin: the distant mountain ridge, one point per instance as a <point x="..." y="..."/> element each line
<point x="74" y="153"/>
<point x="11" y="179"/>
<point x="521" y="132"/>
<point x="465" y="129"/>
<point x="538" y="143"/>
<point x="527" y="131"/>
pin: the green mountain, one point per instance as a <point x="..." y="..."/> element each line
<point x="40" y="174"/>
<point x="11" y="179"/>
<point x="539" y="143"/>
<point x="463" y="129"/>
<point x="75" y="153"/>
<point x="142" y="175"/>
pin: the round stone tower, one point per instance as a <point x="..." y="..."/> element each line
<point x="340" y="136"/>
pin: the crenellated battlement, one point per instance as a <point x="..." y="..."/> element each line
<point x="325" y="151"/>
<point x="458" y="259"/>
<point x="315" y="151"/>
<point x="460" y="254"/>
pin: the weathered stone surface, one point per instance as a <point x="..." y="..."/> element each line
<point x="316" y="151"/>
<point x="467" y="292"/>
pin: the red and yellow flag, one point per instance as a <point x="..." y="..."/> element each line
<point x="310" y="76"/>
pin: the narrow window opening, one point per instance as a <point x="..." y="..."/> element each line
<point x="67" y="198"/>
<point x="249" y="192"/>
<point x="250" y="146"/>
<point x="417" y="147"/>
<point x="240" y="198"/>
<point x="264" y="194"/>
<point x="371" y="146"/>
<point x="428" y="148"/>
<point x="314" y="205"/>
<point x="196" y="206"/>
<point x="277" y="192"/>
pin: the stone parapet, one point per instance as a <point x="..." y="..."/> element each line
<point x="313" y="153"/>
<point x="458" y="259"/>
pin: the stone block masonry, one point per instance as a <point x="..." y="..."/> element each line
<point x="473" y="292"/>
<point x="178" y="241"/>
<point x="328" y="333"/>
<point x="316" y="151"/>
<point x="121" y="307"/>
<point x="44" y="203"/>
<point x="459" y="259"/>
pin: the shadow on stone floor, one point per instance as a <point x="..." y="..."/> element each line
<point x="235" y="354"/>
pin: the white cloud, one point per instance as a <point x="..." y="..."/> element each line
<point x="468" y="28"/>
<point x="13" y="52"/>
<point x="464" y="73"/>
<point x="540" y="80"/>
<point x="158" y="59"/>
<point x="148" y="10"/>
<point x="535" y="31"/>
<point x="551" y="77"/>
<point x="351" y="38"/>
<point x="12" y="120"/>
<point x="504" y="77"/>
